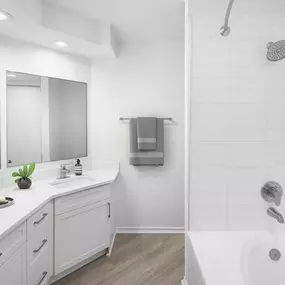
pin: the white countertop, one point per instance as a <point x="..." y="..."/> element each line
<point x="27" y="202"/>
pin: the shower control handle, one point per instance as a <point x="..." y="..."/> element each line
<point x="272" y="192"/>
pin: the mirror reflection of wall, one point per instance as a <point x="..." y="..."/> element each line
<point x="46" y="119"/>
<point x="68" y="109"/>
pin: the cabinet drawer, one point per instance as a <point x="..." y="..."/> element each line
<point x="40" y="237"/>
<point x="81" y="199"/>
<point x="41" y="269"/>
<point x="12" y="242"/>
<point x="39" y="248"/>
<point x="41" y="278"/>
<point x="40" y="222"/>
<point x="13" y="271"/>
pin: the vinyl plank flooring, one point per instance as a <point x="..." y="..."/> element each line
<point x="135" y="260"/>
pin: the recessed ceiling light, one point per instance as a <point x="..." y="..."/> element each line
<point x="61" y="44"/>
<point x="11" y="75"/>
<point x="5" y="16"/>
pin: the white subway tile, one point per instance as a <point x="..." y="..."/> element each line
<point x="245" y="154"/>
<point x="244" y="184"/>
<point x="237" y="122"/>
<point x="274" y="155"/>
<point x="246" y="217"/>
<point x="228" y="123"/>
<point x="208" y="198"/>
<point x="208" y="154"/>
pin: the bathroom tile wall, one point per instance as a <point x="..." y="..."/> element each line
<point x="237" y="117"/>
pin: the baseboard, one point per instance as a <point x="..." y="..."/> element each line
<point x="150" y="230"/>
<point x="183" y="281"/>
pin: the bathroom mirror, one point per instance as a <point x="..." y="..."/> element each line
<point x="46" y="119"/>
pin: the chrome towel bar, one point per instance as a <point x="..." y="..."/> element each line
<point x="125" y="119"/>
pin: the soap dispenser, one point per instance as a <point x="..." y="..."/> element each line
<point x="78" y="168"/>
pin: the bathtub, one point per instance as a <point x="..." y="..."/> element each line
<point x="234" y="258"/>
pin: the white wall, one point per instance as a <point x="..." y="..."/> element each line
<point x="29" y="59"/>
<point x="146" y="80"/>
<point x="237" y="115"/>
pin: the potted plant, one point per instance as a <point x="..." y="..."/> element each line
<point x="23" y="177"/>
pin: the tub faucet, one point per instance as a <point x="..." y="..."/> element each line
<point x="272" y="192"/>
<point x="276" y="215"/>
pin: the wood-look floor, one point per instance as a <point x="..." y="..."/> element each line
<point x="135" y="260"/>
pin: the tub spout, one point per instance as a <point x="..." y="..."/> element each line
<point x="276" y="215"/>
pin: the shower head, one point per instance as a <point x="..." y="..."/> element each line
<point x="225" y="29"/>
<point x="276" y="51"/>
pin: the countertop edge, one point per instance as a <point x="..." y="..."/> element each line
<point x="52" y="197"/>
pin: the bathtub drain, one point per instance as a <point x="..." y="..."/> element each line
<point x="275" y="254"/>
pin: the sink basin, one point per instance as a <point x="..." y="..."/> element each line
<point x="71" y="182"/>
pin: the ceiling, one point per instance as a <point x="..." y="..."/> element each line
<point x="134" y="20"/>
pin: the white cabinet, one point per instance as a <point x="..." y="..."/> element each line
<point x="58" y="238"/>
<point x="112" y="223"/>
<point x="81" y="199"/>
<point x="12" y="242"/>
<point x="13" y="271"/>
<point x="81" y="233"/>
<point x="40" y="246"/>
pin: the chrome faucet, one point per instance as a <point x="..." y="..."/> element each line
<point x="64" y="171"/>
<point x="276" y="215"/>
<point x="272" y="192"/>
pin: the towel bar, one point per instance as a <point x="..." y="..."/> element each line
<point x="125" y="119"/>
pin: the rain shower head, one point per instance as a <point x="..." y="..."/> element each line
<point x="225" y="29"/>
<point x="276" y="51"/>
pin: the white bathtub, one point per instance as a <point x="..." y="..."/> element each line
<point x="235" y="258"/>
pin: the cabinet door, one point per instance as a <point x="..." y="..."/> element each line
<point x="112" y="223"/>
<point x="80" y="234"/>
<point x="13" y="271"/>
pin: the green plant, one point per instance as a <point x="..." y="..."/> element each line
<point x="25" y="172"/>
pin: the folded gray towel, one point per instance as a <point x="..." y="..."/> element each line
<point x="146" y="129"/>
<point x="151" y="158"/>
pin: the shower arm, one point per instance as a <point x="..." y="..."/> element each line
<point x="228" y="13"/>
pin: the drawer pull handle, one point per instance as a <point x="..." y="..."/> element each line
<point x="43" y="243"/>
<point x="42" y="278"/>
<point x="39" y="221"/>
<point x="109" y="206"/>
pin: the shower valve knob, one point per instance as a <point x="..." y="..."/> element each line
<point x="272" y="192"/>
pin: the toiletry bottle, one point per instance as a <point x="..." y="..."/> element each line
<point x="78" y="168"/>
<point x="10" y="163"/>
